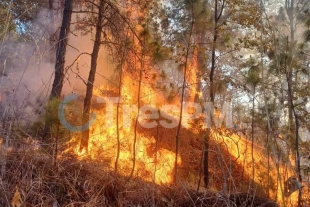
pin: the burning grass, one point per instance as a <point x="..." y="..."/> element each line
<point x="71" y="182"/>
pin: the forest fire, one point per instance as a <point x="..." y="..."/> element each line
<point x="154" y="103"/>
<point x="240" y="149"/>
<point x="152" y="164"/>
<point x="113" y="137"/>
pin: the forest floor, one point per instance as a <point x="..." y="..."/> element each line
<point x="32" y="177"/>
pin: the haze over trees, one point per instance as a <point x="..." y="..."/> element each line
<point x="154" y="103"/>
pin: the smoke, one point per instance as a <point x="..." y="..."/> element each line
<point x="26" y="70"/>
<point x="77" y="75"/>
<point x="27" y="67"/>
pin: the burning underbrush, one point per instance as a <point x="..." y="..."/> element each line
<point x="131" y="157"/>
<point x="35" y="179"/>
<point x="70" y="177"/>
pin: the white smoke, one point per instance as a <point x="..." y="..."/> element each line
<point x="26" y="70"/>
<point x="27" y="67"/>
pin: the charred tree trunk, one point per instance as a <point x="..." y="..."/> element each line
<point x="91" y="77"/>
<point x="61" y="50"/>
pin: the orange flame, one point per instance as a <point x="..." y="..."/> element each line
<point x="152" y="164"/>
<point x="241" y="147"/>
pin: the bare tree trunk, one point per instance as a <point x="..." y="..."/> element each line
<point x="252" y="134"/>
<point x="60" y="56"/>
<point x="136" y="122"/>
<point x="91" y="77"/>
<point x="217" y="16"/>
<point x="296" y="142"/>
<point x="177" y="138"/>
<point x="117" y="120"/>
<point x="279" y="180"/>
<point x="117" y="109"/>
<point x="289" y="6"/>
<point x="290" y="97"/>
<point x="139" y="105"/>
<point x="61" y="50"/>
<point x="268" y="169"/>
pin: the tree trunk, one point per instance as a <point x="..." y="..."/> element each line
<point x="298" y="170"/>
<point x="60" y="57"/>
<point x="61" y="50"/>
<point x="291" y="104"/>
<point x="252" y="134"/>
<point x="134" y="147"/>
<point x="217" y="16"/>
<point x="289" y="74"/>
<point x="91" y="77"/>
<point x="289" y="6"/>
<point x="118" y="108"/>
<point x="206" y="159"/>
<point x="177" y="138"/>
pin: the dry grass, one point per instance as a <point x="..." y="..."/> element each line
<point x="71" y="182"/>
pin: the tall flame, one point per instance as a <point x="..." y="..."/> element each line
<point x="153" y="164"/>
